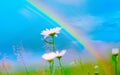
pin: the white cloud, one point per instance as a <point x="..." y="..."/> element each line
<point x="86" y="22"/>
<point x="72" y="1"/>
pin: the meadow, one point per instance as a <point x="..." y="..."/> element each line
<point x="77" y="68"/>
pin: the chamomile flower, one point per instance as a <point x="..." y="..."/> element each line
<point x="115" y="51"/>
<point x="51" y="32"/>
<point x="60" y="54"/>
<point x="96" y="67"/>
<point x="49" y="56"/>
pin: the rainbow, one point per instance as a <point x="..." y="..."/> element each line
<point x="56" y="18"/>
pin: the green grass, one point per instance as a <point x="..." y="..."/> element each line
<point x="79" y="69"/>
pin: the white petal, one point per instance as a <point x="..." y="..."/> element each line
<point x="115" y="51"/>
<point x="62" y="52"/>
<point x="47" y="32"/>
<point x="57" y="52"/>
<point x="49" y="56"/>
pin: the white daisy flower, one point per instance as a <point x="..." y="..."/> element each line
<point x="115" y="51"/>
<point x="96" y="66"/>
<point x="51" y="32"/>
<point x="60" y="54"/>
<point x="49" y="56"/>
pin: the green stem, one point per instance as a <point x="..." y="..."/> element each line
<point x="24" y="64"/>
<point x="88" y="73"/>
<point x="48" y="42"/>
<point x="116" y="65"/>
<point x="114" y="58"/>
<point x="50" y="68"/>
<point x="82" y="67"/>
<point x="6" y="71"/>
<point x="96" y="73"/>
<point x="53" y="49"/>
<point x="60" y="65"/>
<point x="26" y="68"/>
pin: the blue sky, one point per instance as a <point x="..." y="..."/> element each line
<point x="99" y="20"/>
